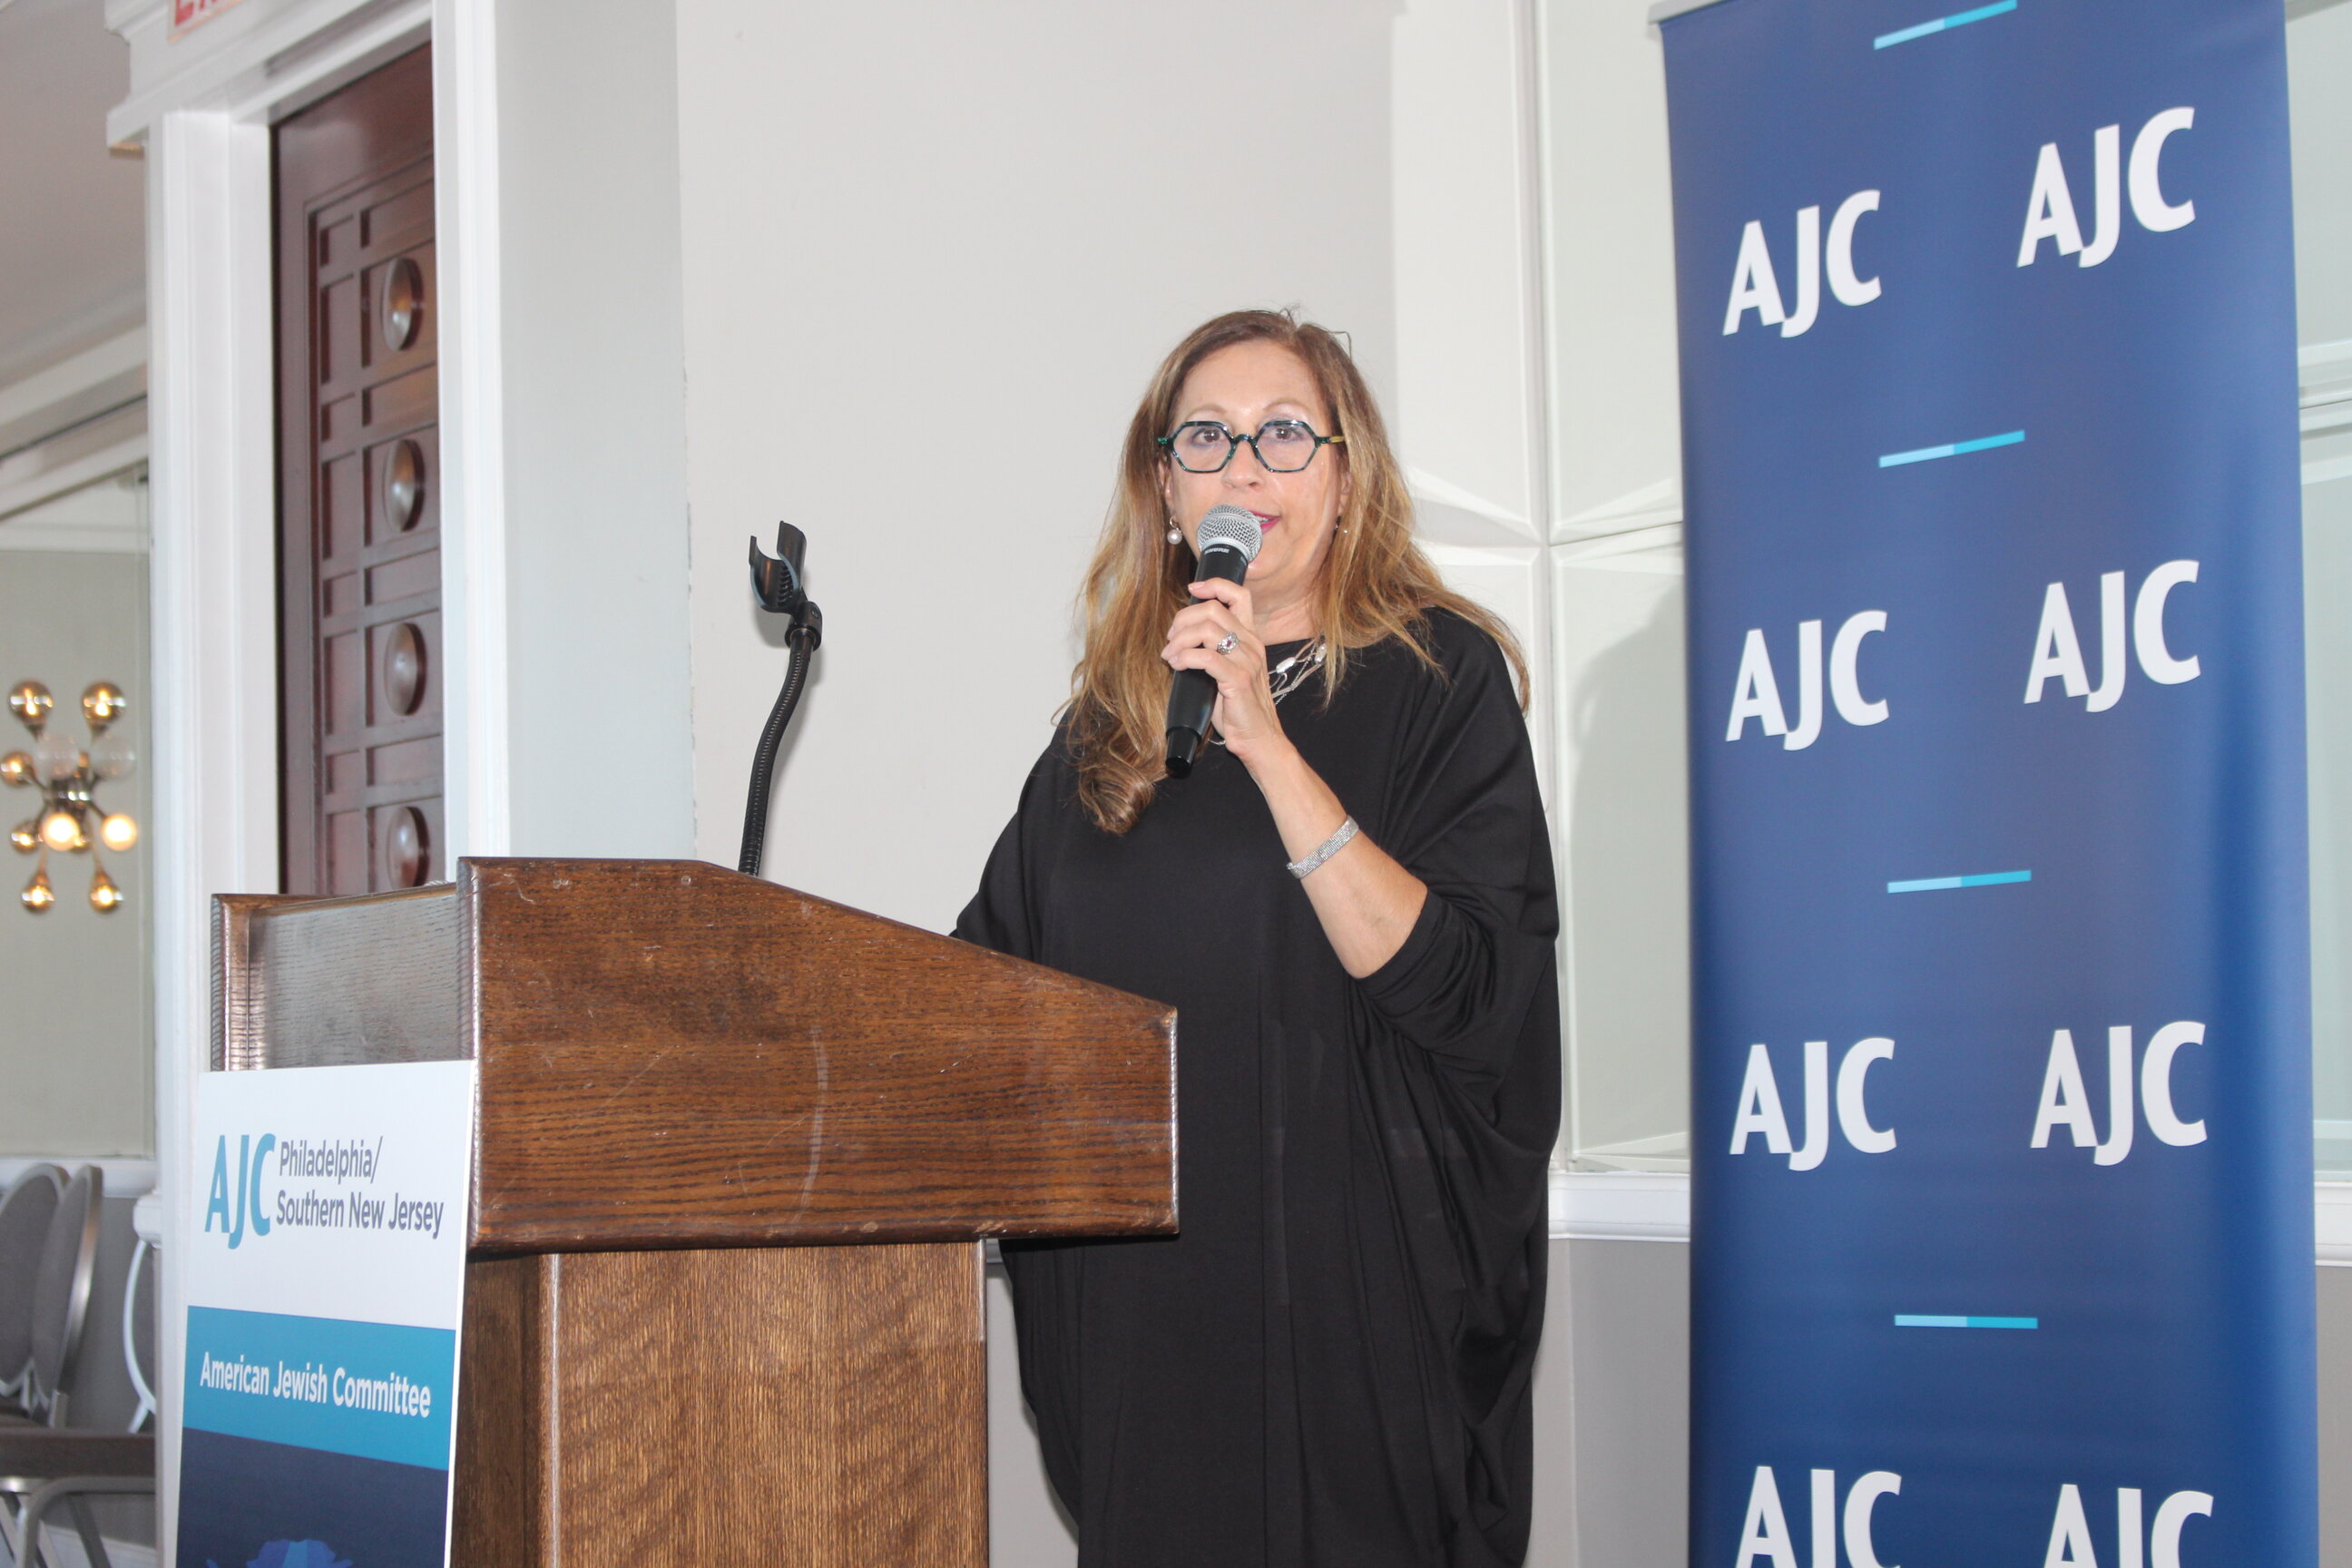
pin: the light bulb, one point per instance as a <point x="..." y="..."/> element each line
<point x="39" y="895"/>
<point x="110" y="756"/>
<point x="30" y="701"/>
<point x="103" y="703"/>
<point x="60" y="832"/>
<point x="16" y="768"/>
<point x="104" y="896"/>
<point x="118" y="832"/>
<point x="26" y="835"/>
<point x="55" y="757"/>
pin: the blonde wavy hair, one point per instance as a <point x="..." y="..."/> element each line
<point x="1374" y="582"/>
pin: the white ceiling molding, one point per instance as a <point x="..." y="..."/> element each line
<point x="92" y="382"/>
<point x="49" y="484"/>
<point x="258" y="60"/>
<point x="71" y="537"/>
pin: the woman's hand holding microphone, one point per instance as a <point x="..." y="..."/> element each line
<point x="1218" y="636"/>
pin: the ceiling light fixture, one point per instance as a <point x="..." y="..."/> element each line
<point x="70" y="821"/>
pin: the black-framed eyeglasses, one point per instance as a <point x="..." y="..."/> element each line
<point x="1282" y="446"/>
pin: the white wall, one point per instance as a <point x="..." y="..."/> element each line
<point x="76" y="1064"/>
<point x="599" y="711"/>
<point x="932" y="254"/>
<point x="1616" y="563"/>
<point x="2319" y="96"/>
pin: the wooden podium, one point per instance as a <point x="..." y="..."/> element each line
<point x="736" y="1149"/>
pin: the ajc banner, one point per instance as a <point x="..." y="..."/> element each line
<point x="2002" y="1192"/>
<point x="326" y="1283"/>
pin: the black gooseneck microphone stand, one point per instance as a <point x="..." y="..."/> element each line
<point x="776" y="579"/>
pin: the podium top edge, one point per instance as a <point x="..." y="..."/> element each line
<point x="273" y="903"/>
<point x="276" y="903"/>
<point x="1665" y="10"/>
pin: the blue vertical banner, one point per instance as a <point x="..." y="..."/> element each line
<point x="2002" y="1183"/>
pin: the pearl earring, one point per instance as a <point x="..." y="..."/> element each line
<point x="1175" y="535"/>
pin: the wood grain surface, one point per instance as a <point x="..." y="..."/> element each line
<point x="817" y="1406"/>
<point x="686" y="1076"/>
<point x="676" y="1056"/>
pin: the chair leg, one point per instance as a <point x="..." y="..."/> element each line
<point x="93" y="1545"/>
<point x="76" y="1487"/>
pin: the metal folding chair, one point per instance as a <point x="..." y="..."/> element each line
<point x="25" y="1215"/>
<point x="43" y="1465"/>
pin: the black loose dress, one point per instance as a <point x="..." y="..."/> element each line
<point x="1329" y="1367"/>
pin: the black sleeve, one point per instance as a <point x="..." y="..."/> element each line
<point x="1465" y="817"/>
<point x="1004" y="913"/>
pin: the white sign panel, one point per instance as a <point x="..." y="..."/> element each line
<point x="326" y="1285"/>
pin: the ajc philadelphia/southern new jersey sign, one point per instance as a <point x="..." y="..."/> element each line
<point x="2002" y="1162"/>
<point x="326" y="1285"/>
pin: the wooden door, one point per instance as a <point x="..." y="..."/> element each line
<point x="360" y="517"/>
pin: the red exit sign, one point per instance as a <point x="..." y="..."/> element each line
<point x="187" y="14"/>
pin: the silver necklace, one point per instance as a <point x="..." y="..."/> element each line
<point x="1291" y="673"/>
<point x="1288" y="675"/>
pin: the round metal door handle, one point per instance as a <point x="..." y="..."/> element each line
<point x="404" y="485"/>
<point x="404" y="669"/>
<point x="404" y="303"/>
<point x="407" y="851"/>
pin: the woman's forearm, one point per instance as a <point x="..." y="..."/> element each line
<point x="1366" y="901"/>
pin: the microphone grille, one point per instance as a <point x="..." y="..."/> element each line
<point x="1234" y="527"/>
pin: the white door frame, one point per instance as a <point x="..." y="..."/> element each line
<point x="201" y="106"/>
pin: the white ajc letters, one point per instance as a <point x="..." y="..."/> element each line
<point x="1760" y="1113"/>
<point x="2070" y="1529"/>
<point x="1755" y="286"/>
<point x="2058" y="650"/>
<point x="2066" y="1101"/>
<point x="1765" y="1537"/>
<point x="1758" y="693"/>
<point x="2050" y="212"/>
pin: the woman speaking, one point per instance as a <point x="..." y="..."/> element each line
<point x="1348" y="900"/>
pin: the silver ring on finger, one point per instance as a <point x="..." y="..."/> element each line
<point x="1227" y="643"/>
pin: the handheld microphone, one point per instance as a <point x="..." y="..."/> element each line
<point x="1229" y="538"/>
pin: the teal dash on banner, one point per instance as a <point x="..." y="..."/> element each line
<point x="1959" y="19"/>
<point x="1958" y="448"/>
<point x="1917" y="1321"/>
<point x="1981" y="879"/>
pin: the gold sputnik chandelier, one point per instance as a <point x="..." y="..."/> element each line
<point x="70" y="821"/>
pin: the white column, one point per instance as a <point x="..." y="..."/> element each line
<point x="477" y="807"/>
<point x="213" y="587"/>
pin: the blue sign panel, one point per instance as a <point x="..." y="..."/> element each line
<point x="2002" y="1162"/>
<point x="375" y="1391"/>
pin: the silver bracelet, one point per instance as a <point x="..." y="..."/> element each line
<point x="1330" y="847"/>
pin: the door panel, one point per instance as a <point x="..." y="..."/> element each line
<point x="359" y="536"/>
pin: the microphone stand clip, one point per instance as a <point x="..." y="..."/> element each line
<point x="777" y="582"/>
